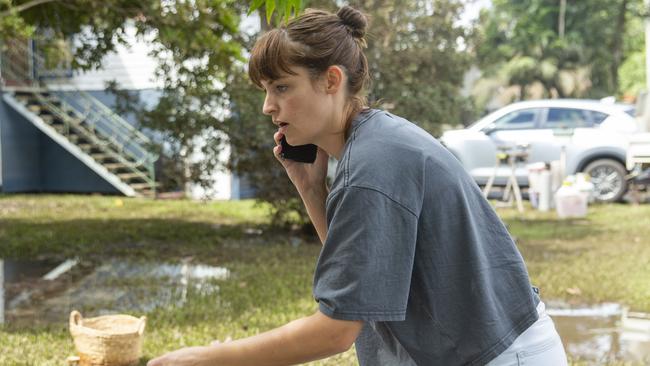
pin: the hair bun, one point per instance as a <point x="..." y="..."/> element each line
<point x="354" y="20"/>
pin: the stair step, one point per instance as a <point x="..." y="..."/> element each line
<point x="137" y="186"/>
<point x="112" y="166"/>
<point x="75" y="138"/>
<point x="79" y="139"/>
<point x="85" y="146"/>
<point x="59" y="128"/>
<point x="127" y="176"/>
<point x="47" y="114"/>
<point x="32" y="93"/>
<point x="100" y="156"/>
<point x="47" y="118"/>
<point x="54" y="101"/>
<point x="147" y="193"/>
<point x="24" y="99"/>
<point x="32" y="100"/>
<point x="35" y="108"/>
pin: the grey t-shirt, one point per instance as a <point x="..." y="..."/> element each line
<point x="415" y="251"/>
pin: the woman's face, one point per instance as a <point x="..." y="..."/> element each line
<point x="301" y="107"/>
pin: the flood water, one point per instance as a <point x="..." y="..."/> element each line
<point x="598" y="334"/>
<point x="114" y="286"/>
<point x="44" y="292"/>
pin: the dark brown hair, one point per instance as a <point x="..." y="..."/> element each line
<point x="316" y="40"/>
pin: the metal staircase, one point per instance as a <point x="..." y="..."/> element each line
<point x="78" y="122"/>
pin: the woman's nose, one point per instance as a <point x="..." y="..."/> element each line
<point x="269" y="106"/>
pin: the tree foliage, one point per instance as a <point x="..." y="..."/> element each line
<point x="554" y="42"/>
<point x="196" y="43"/>
<point x="416" y="51"/>
<point x="183" y="31"/>
<point x="417" y="60"/>
<point x="417" y="67"/>
<point x="251" y="140"/>
<point x="415" y="54"/>
<point x="416" y="57"/>
<point x="281" y="9"/>
<point x="632" y="71"/>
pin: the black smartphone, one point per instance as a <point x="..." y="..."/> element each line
<point x="299" y="153"/>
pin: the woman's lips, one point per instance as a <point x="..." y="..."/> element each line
<point x="282" y="127"/>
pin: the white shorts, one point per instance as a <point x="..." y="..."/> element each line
<point x="539" y="345"/>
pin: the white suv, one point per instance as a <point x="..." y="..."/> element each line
<point x="593" y="134"/>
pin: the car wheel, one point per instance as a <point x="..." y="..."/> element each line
<point x="608" y="177"/>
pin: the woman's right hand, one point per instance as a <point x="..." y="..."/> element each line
<point x="308" y="178"/>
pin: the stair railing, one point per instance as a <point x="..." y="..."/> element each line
<point x="102" y="121"/>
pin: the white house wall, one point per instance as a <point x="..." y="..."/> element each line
<point x="133" y="69"/>
<point x="131" y="66"/>
<point x="222" y="187"/>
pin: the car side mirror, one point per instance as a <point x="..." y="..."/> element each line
<point x="489" y="129"/>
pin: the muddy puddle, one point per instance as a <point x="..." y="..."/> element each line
<point x="603" y="334"/>
<point x="43" y="292"/>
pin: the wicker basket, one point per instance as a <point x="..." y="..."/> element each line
<point x="109" y="340"/>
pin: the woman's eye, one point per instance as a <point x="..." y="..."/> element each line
<point x="281" y="88"/>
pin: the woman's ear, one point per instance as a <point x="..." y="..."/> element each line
<point x="335" y="79"/>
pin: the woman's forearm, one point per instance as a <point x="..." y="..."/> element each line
<point x="302" y="340"/>
<point x="314" y="201"/>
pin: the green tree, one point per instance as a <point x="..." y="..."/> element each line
<point x="415" y="55"/>
<point x="198" y="46"/>
<point x="183" y="31"/>
<point x="417" y="61"/>
<point x="250" y="135"/>
<point x="632" y="71"/>
<point x="417" y="66"/>
<point x="556" y="43"/>
<point x="196" y="43"/>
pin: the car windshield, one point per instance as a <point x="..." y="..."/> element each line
<point x="629" y="109"/>
<point x="489" y="115"/>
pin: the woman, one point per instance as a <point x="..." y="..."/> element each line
<point x="416" y="267"/>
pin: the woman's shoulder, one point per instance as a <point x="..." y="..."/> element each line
<point x="384" y="148"/>
<point x="382" y="136"/>
<point x="389" y="145"/>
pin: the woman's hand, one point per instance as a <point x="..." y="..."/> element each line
<point x="187" y="356"/>
<point x="190" y="356"/>
<point x="308" y="178"/>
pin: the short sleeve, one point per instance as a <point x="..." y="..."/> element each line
<point x="365" y="267"/>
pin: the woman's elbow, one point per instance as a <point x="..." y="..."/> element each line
<point x="335" y="335"/>
<point x="346" y="337"/>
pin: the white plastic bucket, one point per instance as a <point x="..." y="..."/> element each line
<point x="570" y="202"/>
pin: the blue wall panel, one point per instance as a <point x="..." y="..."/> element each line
<point x="63" y="172"/>
<point x="32" y="162"/>
<point x="20" y="152"/>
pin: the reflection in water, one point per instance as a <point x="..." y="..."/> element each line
<point x="115" y="286"/>
<point x="15" y="277"/>
<point x="596" y="335"/>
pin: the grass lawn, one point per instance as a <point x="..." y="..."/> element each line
<point x="605" y="257"/>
